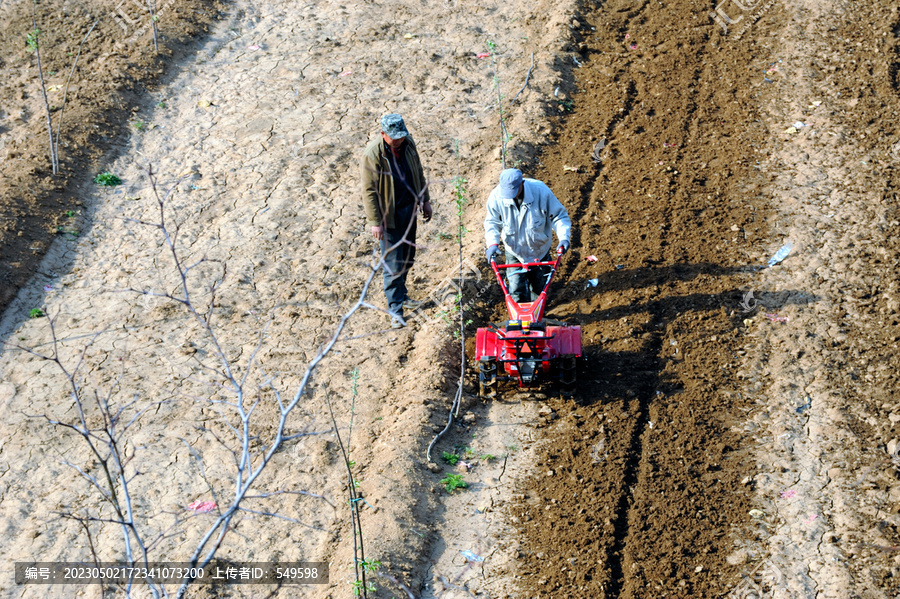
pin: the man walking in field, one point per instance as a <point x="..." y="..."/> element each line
<point x="394" y="191"/>
<point x="522" y="215"/>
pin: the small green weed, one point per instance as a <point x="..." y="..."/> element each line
<point x="460" y="192"/>
<point x="70" y="213"/>
<point x="453" y="482"/>
<point x="107" y="179"/>
<point x="35" y="313"/>
<point x="450" y="458"/>
<point x="358" y="588"/>
<point x="370" y="565"/>
<point x="487" y="457"/>
<point x="467" y="452"/>
<point x="445" y="316"/>
<point x="444" y="236"/>
<point x="139" y="125"/>
<point x="160" y="104"/>
<point x="31" y="40"/>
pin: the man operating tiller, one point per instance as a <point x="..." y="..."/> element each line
<point x="527" y="348"/>
<point x="522" y="214"/>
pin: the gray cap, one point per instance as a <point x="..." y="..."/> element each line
<point x="393" y="126"/>
<point x="510" y="182"/>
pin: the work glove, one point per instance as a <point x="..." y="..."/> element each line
<point x="491" y="252"/>
<point x="563" y="248"/>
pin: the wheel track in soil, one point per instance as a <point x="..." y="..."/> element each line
<point x="626" y="539"/>
<point x="622" y="521"/>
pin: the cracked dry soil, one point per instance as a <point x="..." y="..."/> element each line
<point x="732" y="430"/>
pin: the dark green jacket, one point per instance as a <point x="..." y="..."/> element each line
<point x="378" y="185"/>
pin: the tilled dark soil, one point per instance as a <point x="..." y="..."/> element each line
<point x="639" y="491"/>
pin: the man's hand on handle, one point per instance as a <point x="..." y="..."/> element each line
<point x="563" y="248"/>
<point x="491" y="252"/>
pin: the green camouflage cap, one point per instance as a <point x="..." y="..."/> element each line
<point x="392" y="125"/>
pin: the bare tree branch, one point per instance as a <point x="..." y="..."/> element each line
<point x="102" y="421"/>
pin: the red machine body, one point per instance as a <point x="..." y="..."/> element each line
<point x="527" y="348"/>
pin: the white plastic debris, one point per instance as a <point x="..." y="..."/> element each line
<point x="781" y="254"/>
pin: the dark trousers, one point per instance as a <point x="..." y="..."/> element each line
<point x="398" y="261"/>
<point x="525" y="286"/>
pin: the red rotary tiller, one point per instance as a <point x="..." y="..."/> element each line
<point x="527" y="348"/>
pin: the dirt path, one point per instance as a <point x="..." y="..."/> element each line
<point x="733" y="424"/>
